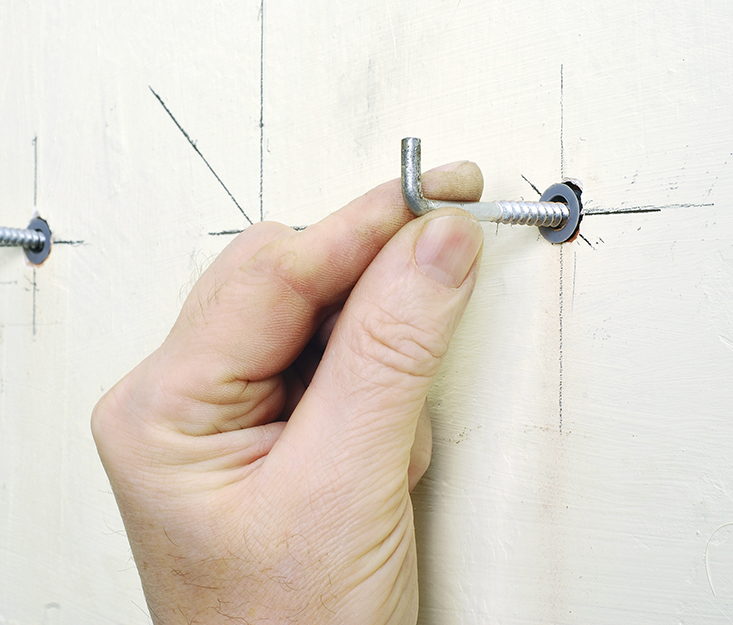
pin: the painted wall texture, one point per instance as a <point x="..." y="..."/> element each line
<point x="583" y="464"/>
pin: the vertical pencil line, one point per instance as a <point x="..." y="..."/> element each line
<point x="262" y="108"/>
<point x="560" y="359"/>
<point x="35" y="171"/>
<point x="35" y="288"/>
<point x="562" y="121"/>
<point x="35" y="204"/>
<point x="561" y="302"/>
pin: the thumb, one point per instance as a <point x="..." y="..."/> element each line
<point x="367" y="394"/>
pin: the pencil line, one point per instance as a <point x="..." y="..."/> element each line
<point x="562" y="121"/>
<point x="537" y="191"/>
<point x="203" y="158"/>
<point x="560" y="359"/>
<point x="35" y="198"/>
<point x="262" y="109"/>
<point x="225" y="232"/>
<point x="35" y="171"/>
<point x="35" y="288"/>
<point x="561" y="302"/>
<point x="649" y="208"/>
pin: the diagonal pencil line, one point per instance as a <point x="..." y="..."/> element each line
<point x="537" y="191"/>
<point x="203" y="158"/>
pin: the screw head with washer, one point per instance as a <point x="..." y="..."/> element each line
<point x="565" y="193"/>
<point x="38" y="255"/>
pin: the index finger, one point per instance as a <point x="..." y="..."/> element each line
<point x="270" y="305"/>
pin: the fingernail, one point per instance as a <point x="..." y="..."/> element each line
<point x="449" y="166"/>
<point x="447" y="247"/>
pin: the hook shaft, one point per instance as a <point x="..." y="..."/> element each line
<point x="558" y="212"/>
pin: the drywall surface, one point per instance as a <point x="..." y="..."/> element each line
<point x="583" y="420"/>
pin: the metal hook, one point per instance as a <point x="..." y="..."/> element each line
<point x="557" y="214"/>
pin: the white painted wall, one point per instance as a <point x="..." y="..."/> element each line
<point x="584" y="420"/>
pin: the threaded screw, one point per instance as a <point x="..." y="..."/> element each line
<point x="35" y="240"/>
<point x="549" y="214"/>
<point x="17" y="237"/>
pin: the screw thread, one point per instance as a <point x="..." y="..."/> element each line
<point x="17" y="237"/>
<point x="548" y="214"/>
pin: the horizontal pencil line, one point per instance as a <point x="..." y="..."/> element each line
<point x="649" y="208"/>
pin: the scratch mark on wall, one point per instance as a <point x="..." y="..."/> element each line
<point x="727" y="618"/>
<point x="726" y="341"/>
<point x="452" y="16"/>
<point x="391" y="28"/>
<point x="712" y="186"/>
<point x="203" y="158"/>
<point x="705" y="555"/>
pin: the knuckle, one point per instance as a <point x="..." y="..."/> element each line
<point x="281" y="266"/>
<point x="413" y="347"/>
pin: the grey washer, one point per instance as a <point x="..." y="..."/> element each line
<point x="41" y="254"/>
<point x="564" y="193"/>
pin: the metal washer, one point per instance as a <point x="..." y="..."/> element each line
<point x="38" y="256"/>
<point x="564" y="193"/>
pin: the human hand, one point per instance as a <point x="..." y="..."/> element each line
<point x="263" y="469"/>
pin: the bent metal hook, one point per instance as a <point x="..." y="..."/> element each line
<point x="557" y="214"/>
